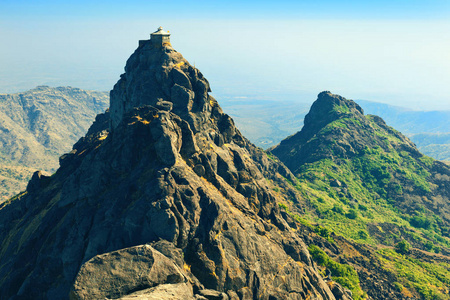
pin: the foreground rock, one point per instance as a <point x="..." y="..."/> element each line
<point x="122" y="272"/>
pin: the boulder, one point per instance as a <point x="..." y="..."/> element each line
<point x="119" y="273"/>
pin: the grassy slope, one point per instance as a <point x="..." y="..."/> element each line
<point x="368" y="198"/>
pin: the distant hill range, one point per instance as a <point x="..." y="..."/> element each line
<point x="39" y="125"/>
<point x="409" y="121"/>
<point x="266" y="123"/>
<point x="429" y="130"/>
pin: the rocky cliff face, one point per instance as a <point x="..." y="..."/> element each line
<point x="162" y="197"/>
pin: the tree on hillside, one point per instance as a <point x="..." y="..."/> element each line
<point x="402" y="247"/>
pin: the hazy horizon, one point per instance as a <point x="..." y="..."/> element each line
<point x="395" y="53"/>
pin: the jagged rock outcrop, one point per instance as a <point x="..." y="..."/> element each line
<point x="164" y="164"/>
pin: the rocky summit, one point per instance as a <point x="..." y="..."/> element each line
<point x="162" y="199"/>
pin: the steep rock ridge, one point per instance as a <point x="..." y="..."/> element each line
<point x="164" y="164"/>
<point x="37" y="126"/>
<point x="366" y="181"/>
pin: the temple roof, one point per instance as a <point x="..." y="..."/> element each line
<point x="160" y="31"/>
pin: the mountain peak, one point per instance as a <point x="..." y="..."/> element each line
<point x="329" y="107"/>
<point x="336" y="127"/>
<point x="159" y="76"/>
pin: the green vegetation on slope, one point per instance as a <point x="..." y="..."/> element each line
<point x="430" y="279"/>
<point x="343" y="274"/>
<point x="372" y="185"/>
<point x="364" y="181"/>
<point x="368" y="189"/>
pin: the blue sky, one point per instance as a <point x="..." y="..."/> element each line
<point x="396" y="52"/>
<point x="229" y="9"/>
